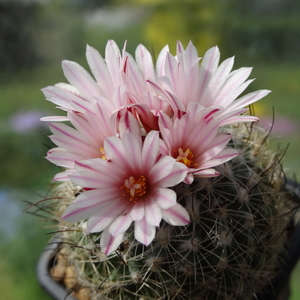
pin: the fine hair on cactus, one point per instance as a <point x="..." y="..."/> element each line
<point x="168" y="189"/>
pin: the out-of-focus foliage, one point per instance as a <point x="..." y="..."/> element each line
<point x="193" y="20"/>
<point x="267" y="30"/>
<point x="16" y="42"/>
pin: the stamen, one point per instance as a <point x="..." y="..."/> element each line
<point x="186" y="157"/>
<point x="102" y="151"/>
<point x="135" y="188"/>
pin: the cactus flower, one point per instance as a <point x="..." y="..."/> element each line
<point x="195" y="141"/>
<point x="184" y="80"/>
<point x="130" y="185"/>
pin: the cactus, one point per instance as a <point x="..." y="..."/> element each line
<point x="231" y="249"/>
<point x="167" y="199"/>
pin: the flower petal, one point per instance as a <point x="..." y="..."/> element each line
<point x="104" y="217"/>
<point x="109" y="243"/>
<point x="153" y="214"/>
<point x="99" y="70"/>
<point x="150" y="149"/>
<point x="138" y="211"/>
<point x="81" y="79"/>
<point x="167" y="172"/>
<point x="176" y="215"/>
<point x="88" y="203"/>
<point x="164" y="197"/>
<point x="62" y="157"/>
<point x="120" y="224"/>
<point x="144" y="232"/>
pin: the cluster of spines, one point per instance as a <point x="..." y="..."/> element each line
<point x="230" y="250"/>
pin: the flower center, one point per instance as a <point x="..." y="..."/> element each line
<point x="186" y="157"/>
<point x="135" y="188"/>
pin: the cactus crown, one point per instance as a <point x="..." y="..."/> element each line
<point x="231" y="249"/>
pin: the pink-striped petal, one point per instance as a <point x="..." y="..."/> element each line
<point x="223" y="156"/>
<point x="120" y="224"/>
<point x="54" y="119"/>
<point x="109" y="243"/>
<point x="63" y="158"/>
<point x="144" y="232"/>
<point x="164" y="197"/>
<point x="249" y="99"/>
<point x="138" y="211"/>
<point x="89" y="203"/>
<point x="150" y="149"/>
<point x="153" y="214"/>
<point x="104" y="217"/>
<point x="81" y="79"/>
<point x="63" y="176"/>
<point x="144" y="61"/>
<point x="176" y="215"/>
<point x="99" y="70"/>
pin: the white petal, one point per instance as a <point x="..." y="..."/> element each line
<point x="104" y="217"/>
<point x="220" y="158"/>
<point x="176" y="215"/>
<point x="153" y="213"/>
<point x="208" y="67"/>
<point x="160" y="63"/>
<point x="144" y="61"/>
<point x="239" y="119"/>
<point x="144" y="232"/>
<point x="90" y="202"/>
<point x="150" y="149"/>
<point x="249" y="99"/>
<point x="54" y="119"/>
<point x="62" y="157"/>
<point x="113" y="60"/>
<point x="81" y="79"/>
<point x="121" y="224"/>
<point x="133" y="151"/>
<point x="206" y="173"/>
<point x="167" y="172"/>
<point x="114" y="151"/>
<point x="109" y="243"/>
<point x="176" y="176"/>
<point x="59" y="96"/>
<point x="63" y="176"/>
<point x="138" y="211"/>
<point x="164" y="197"/>
<point x="70" y="139"/>
<point x="99" y="70"/>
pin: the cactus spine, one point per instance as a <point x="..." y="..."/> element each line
<point x="230" y="250"/>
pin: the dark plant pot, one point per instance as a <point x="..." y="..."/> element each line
<point x="55" y="289"/>
<point x="279" y="288"/>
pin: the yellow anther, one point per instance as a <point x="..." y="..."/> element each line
<point x="186" y="157"/>
<point x="103" y="153"/>
<point x="135" y="188"/>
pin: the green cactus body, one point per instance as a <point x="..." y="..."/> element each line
<point x="231" y="249"/>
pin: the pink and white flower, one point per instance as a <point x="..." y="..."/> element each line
<point x="138" y="129"/>
<point x="184" y="80"/>
<point x="131" y="185"/>
<point x="195" y="141"/>
<point x="118" y="81"/>
<point x="84" y="140"/>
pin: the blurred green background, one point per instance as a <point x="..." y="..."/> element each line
<point x="35" y="36"/>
